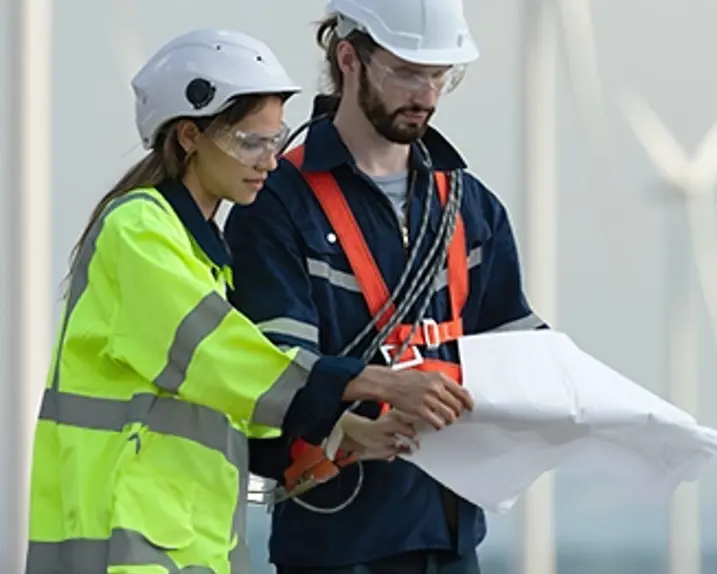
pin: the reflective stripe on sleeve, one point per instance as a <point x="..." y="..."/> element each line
<point x="527" y="323"/>
<point x="272" y="405"/>
<point x="290" y="327"/>
<point x="196" y="326"/>
<point x="307" y="357"/>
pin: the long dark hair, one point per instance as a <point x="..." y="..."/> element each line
<point x="328" y="41"/>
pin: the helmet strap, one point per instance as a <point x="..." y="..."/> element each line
<point x="345" y="26"/>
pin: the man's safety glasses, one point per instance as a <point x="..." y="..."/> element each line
<point x="443" y="81"/>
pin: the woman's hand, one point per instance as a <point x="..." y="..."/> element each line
<point x="383" y="438"/>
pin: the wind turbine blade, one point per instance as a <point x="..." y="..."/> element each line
<point x="702" y="171"/>
<point x="579" y="37"/>
<point x="664" y="151"/>
<point x="703" y="234"/>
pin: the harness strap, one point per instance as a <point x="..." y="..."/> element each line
<point x="362" y="263"/>
<point x="375" y="293"/>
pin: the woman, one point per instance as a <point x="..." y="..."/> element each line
<point x="140" y="457"/>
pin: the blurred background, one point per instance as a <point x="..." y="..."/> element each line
<point x="595" y="124"/>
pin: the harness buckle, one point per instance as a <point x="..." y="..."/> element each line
<point x="431" y="334"/>
<point x="414" y="360"/>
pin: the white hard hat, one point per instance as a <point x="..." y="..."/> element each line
<point x="430" y="32"/>
<point x="198" y="74"/>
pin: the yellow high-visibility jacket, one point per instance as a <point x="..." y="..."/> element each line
<point x="140" y="462"/>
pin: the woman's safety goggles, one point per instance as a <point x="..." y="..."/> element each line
<point x="249" y="148"/>
<point x="443" y="81"/>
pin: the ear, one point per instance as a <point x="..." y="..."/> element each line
<point x="187" y="135"/>
<point x="347" y="58"/>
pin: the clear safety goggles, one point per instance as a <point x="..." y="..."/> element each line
<point x="250" y="148"/>
<point x="443" y="81"/>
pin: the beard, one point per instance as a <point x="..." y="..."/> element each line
<point x="389" y="124"/>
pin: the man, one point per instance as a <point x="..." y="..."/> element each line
<point x="340" y="225"/>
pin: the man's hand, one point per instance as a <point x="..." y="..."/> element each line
<point x="431" y="396"/>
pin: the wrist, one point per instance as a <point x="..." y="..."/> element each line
<point x="372" y="384"/>
<point x="350" y="423"/>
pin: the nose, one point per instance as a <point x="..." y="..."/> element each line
<point x="268" y="162"/>
<point x="426" y="98"/>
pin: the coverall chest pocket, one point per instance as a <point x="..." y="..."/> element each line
<point x="326" y="262"/>
<point x="334" y="289"/>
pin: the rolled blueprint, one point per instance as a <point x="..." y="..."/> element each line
<point x="544" y="404"/>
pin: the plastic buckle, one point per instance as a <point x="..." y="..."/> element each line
<point x="414" y="361"/>
<point x="431" y="334"/>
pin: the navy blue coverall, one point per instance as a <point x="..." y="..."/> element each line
<point x="294" y="281"/>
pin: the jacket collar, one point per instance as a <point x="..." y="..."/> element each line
<point x="205" y="233"/>
<point x="324" y="149"/>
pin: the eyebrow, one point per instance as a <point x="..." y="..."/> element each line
<point x="409" y="67"/>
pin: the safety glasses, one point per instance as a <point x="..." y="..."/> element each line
<point x="443" y="81"/>
<point x="249" y="148"/>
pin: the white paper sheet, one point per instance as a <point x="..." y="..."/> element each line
<point x="542" y="403"/>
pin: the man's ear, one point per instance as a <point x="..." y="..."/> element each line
<point x="187" y="135"/>
<point x="347" y="58"/>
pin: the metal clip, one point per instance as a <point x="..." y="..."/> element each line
<point x="431" y="334"/>
<point x="414" y="361"/>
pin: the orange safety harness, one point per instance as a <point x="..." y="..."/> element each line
<point x="310" y="465"/>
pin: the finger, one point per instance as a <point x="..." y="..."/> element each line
<point x="429" y="416"/>
<point x="449" y="399"/>
<point x="407" y="429"/>
<point x="404" y="449"/>
<point x="410" y="443"/>
<point x="400" y="427"/>
<point x="461" y="394"/>
<point x="405" y="417"/>
<point x="397" y="449"/>
<point x="443" y="411"/>
<point x="440" y="388"/>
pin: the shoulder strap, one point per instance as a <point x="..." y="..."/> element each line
<point x="457" y="263"/>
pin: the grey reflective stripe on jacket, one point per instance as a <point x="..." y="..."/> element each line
<point x="527" y="323"/>
<point x="87" y="556"/>
<point x="165" y="415"/>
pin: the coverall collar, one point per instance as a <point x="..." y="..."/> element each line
<point x="205" y="233"/>
<point x="325" y="150"/>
